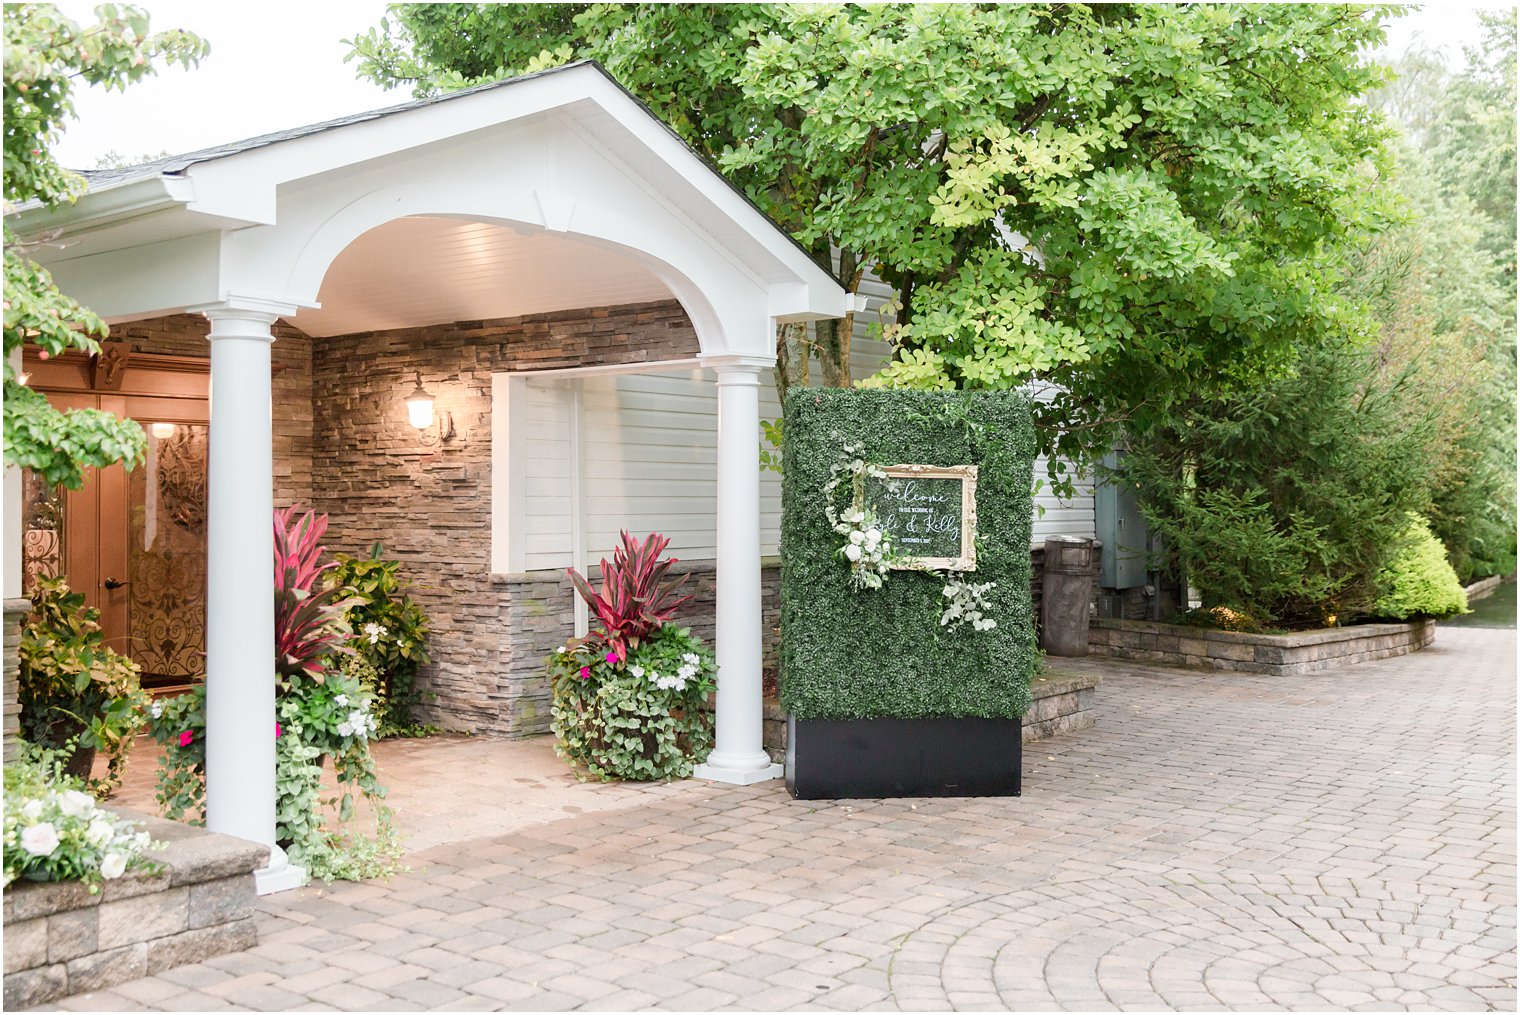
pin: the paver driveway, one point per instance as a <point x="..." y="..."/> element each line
<point x="1341" y="840"/>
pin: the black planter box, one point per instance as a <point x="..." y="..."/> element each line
<point x="851" y="759"/>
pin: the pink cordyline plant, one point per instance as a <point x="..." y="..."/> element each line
<point x="635" y="599"/>
<point x="308" y="621"/>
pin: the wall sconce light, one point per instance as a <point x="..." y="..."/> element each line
<point x="419" y="412"/>
<point x="162" y="431"/>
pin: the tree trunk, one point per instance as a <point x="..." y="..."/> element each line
<point x="834" y="350"/>
<point x="791" y="358"/>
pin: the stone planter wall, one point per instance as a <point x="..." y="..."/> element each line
<point x="1276" y="654"/>
<point x="15" y="616"/>
<point x="61" y="940"/>
<point x="1483" y="588"/>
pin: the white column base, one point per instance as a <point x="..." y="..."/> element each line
<point x="280" y="876"/>
<point x="763" y="771"/>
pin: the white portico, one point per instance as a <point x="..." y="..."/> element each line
<point x="570" y="188"/>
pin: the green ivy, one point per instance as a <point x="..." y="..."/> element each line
<point x="879" y="653"/>
<point x="611" y="719"/>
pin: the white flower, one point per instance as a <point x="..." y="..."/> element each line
<point x="112" y="866"/>
<point x="99" y="833"/>
<point x="157" y="709"/>
<point x="375" y="632"/>
<point x="340" y="700"/>
<point x="873" y="535"/>
<point x="345" y="729"/>
<point x="32" y="810"/>
<point x="356" y="717"/>
<point x="76" y="804"/>
<point x="857" y="537"/>
<point x="637" y="671"/>
<point x="39" y="840"/>
<point x="560" y="651"/>
<point x="852" y="552"/>
<point x="692" y="658"/>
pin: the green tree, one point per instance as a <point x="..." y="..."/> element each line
<point x="1132" y="200"/>
<point x="46" y="54"/>
<point x="1442" y="284"/>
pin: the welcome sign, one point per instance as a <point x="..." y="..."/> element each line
<point x="929" y="511"/>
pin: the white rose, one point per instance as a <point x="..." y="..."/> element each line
<point x="113" y="866"/>
<point x="857" y="537"/>
<point x="99" y="833"/>
<point x="76" y="804"/>
<point x="39" y="840"/>
<point x="852" y="552"/>
<point x="32" y="810"/>
<point x="873" y="534"/>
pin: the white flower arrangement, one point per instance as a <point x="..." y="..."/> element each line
<point x="54" y="834"/>
<point x="965" y="604"/>
<point x="867" y="547"/>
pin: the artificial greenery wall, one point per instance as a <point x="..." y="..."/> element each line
<point x="850" y="653"/>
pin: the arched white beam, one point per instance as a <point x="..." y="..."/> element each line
<point x="725" y="304"/>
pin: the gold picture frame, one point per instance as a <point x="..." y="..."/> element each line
<point x="966" y="560"/>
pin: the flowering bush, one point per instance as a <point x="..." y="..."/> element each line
<point x="55" y="832"/>
<point x="635" y="716"/>
<point x="390" y="636"/>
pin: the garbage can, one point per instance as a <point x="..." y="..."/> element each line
<point x="1066" y="596"/>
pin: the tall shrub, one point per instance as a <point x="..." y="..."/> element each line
<point x="389" y="634"/>
<point x="1283" y="503"/>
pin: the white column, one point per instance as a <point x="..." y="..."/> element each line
<point x="739" y="757"/>
<point x="240" y="762"/>
<point x="13" y="524"/>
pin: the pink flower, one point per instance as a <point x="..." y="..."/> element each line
<point x="612" y="658"/>
<point x="185" y="738"/>
<point x="585" y="673"/>
<point x="277" y="730"/>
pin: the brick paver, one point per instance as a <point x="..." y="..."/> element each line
<point x="1339" y="840"/>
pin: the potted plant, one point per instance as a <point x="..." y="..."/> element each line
<point x="628" y="697"/>
<point x="77" y="695"/>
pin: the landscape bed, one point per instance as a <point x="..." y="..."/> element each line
<point x="1239" y="652"/>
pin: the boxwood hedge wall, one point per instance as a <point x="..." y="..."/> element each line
<point x="881" y="653"/>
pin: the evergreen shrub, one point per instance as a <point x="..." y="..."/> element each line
<point x="860" y="653"/>
<point x="1419" y="581"/>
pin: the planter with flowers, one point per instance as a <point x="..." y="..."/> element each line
<point x="628" y="697"/>
<point x="322" y="714"/>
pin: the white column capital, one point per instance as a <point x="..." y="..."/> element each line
<point x="250" y="310"/>
<point x="734" y="368"/>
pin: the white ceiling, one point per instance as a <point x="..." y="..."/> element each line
<point x="418" y="271"/>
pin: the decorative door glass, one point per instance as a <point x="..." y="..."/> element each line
<point x="42" y="541"/>
<point x="167" y="555"/>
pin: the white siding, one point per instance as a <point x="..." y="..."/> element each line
<point x="548" y="503"/>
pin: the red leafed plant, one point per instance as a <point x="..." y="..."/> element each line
<point x="308" y="622"/>
<point x="635" y="599"/>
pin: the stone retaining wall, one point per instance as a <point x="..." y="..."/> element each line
<point x="1062" y="703"/>
<point x="61" y="940"/>
<point x="15" y="616"/>
<point x="1277" y="654"/>
<point x="1483" y="588"/>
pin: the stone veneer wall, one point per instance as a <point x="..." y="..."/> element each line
<point x="431" y="505"/>
<point x="185" y="335"/>
<point x="15" y="616"/>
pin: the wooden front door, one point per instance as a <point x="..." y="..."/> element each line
<point x="133" y="543"/>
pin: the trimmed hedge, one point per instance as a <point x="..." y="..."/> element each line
<point x="858" y="654"/>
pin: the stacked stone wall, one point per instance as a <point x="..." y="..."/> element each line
<point x="429" y="501"/>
